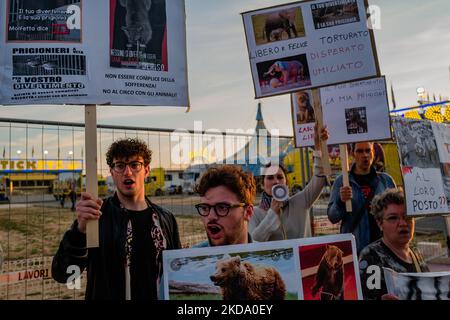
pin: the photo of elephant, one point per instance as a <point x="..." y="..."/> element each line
<point x="278" y="25"/>
<point x="283" y="74"/>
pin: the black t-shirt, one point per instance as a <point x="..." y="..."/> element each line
<point x="379" y="254"/>
<point x="364" y="182"/>
<point x="143" y="256"/>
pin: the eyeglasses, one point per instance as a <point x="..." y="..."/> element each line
<point x="222" y="209"/>
<point x="396" y="219"/>
<point x="135" y="166"/>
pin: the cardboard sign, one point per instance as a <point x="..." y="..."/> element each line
<point x="353" y="112"/>
<point x="293" y="268"/>
<point x="356" y="111"/>
<point x="418" y="286"/>
<point x="423" y="154"/>
<point x="303" y="118"/>
<point x="93" y="52"/>
<point x="309" y="44"/>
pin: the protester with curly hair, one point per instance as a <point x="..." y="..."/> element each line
<point x="133" y="232"/>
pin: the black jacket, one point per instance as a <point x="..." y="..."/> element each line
<point x="106" y="264"/>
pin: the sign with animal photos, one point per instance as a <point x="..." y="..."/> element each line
<point x="309" y="44"/>
<point x="418" y="286"/>
<point x="424" y="152"/>
<point x="356" y="111"/>
<point x="303" y="118"/>
<point x="322" y="268"/>
<point x="353" y="112"/>
<point x="119" y="52"/>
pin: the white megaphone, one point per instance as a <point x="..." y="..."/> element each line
<point x="280" y="192"/>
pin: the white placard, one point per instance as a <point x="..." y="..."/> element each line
<point x="426" y="187"/>
<point x="303" y="118"/>
<point x="293" y="268"/>
<point x="353" y="112"/>
<point x="356" y="111"/>
<point x="93" y="52"/>
<point x="309" y="44"/>
<point x="418" y="286"/>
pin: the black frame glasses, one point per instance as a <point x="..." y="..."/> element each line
<point x="222" y="209"/>
<point x="120" y="166"/>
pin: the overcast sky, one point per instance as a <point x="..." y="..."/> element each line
<point x="413" y="48"/>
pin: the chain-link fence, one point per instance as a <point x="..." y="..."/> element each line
<point x="41" y="163"/>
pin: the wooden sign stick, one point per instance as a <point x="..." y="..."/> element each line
<point x="90" y="136"/>
<point x="323" y="145"/>
<point x="447" y="225"/>
<point x="344" y="164"/>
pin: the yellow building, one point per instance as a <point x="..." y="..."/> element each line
<point x="30" y="176"/>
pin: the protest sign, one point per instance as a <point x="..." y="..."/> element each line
<point x="293" y="269"/>
<point x="93" y="52"/>
<point x="356" y="111"/>
<point x="418" y="286"/>
<point x="353" y="112"/>
<point x="303" y="118"/>
<point x="309" y="44"/>
<point x="420" y="144"/>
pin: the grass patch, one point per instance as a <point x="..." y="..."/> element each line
<point x="11" y="225"/>
<point x="37" y="230"/>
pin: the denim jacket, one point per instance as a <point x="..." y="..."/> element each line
<point x="337" y="212"/>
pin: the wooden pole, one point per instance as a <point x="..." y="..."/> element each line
<point x="323" y="145"/>
<point x="344" y="165"/>
<point x="447" y="225"/>
<point x="90" y="136"/>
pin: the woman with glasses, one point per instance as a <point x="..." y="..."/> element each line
<point x="393" y="249"/>
<point x="276" y="220"/>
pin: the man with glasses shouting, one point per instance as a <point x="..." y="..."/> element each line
<point x="133" y="232"/>
<point x="226" y="194"/>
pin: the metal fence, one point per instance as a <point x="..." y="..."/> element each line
<point x="34" y="155"/>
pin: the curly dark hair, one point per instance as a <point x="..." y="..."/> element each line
<point x="126" y="148"/>
<point x="232" y="177"/>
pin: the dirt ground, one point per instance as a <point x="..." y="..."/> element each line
<point x="30" y="236"/>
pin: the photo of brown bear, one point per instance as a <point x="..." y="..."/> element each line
<point x="241" y="280"/>
<point x="330" y="276"/>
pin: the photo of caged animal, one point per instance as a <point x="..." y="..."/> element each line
<point x="330" y="275"/>
<point x="138" y="28"/>
<point x="241" y="280"/>
<point x="277" y="24"/>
